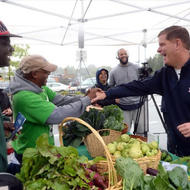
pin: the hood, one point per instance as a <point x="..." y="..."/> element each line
<point x="97" y="76"/>
<point x="20" y="83"/>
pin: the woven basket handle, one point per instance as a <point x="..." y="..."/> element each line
<point x="110" y="130"/>
<point x="111" y="169"/>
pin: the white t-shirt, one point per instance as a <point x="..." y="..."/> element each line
<point x="178" y="71"/>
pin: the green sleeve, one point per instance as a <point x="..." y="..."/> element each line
<point x="33" y="106"/>
<point x="51" y="94"/>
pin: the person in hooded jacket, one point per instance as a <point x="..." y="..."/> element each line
<point x="102" y="76"/>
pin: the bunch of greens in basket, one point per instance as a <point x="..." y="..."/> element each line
<point x="114" y="118"/>
<point x="74" y="132"/>
<point x="111" y="117"/>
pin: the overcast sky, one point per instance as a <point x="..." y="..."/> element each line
<point x="103" y="36"/>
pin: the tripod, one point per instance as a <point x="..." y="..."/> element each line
<point x="145" y="72"/>
<point x="143" y="100"/>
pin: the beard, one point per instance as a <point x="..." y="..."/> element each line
<point x="123" y="62"/>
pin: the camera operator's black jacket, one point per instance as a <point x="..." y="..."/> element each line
<point x="176" y="94"/>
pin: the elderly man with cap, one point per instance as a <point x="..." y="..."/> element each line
<point x="41" y="106"/>
<point x="5" y="51"/>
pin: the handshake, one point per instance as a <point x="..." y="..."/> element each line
<point x="95" y="94"/>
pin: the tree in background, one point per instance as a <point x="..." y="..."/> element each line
<point x="155" y="63"/>
<point x="19" y="52"/>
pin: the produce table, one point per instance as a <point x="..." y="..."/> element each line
<point x="84" y="152"/>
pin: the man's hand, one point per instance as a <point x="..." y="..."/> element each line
<point x="97" y="105"/>
<point x="100" y="95"/>
<point x="184" y="129"/>
<point x="7" y="112"/>
<point x="91" y="93"/>
<point x="117" y="100"/>
<point x="8" y="127"/>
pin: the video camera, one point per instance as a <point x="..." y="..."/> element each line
<point x="144" y="71"/>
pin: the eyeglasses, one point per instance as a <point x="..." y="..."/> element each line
<point x="44" y="71"/>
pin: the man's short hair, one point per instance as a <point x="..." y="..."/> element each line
<point x="120" y="50"/>
<point x="35" y="62"/>
<point x="174" y="32"/>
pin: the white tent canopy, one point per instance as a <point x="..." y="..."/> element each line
<point x="57" y="28"/>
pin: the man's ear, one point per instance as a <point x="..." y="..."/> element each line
<point x="34" y="74"/>
<point x="179" y="43"/>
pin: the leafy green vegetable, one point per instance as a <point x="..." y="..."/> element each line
<point x="134" y="179"/>
<point x="178" y="177"/>
<point x="175" y="179"/>
<point x="166" y="156"/>
<point x="112" y="123"/>
<point x="130" y="171"/>
<point x="161" y="183"/>
<point x="183" y="160"/>
<point x="111" y="117"/>
<point x="113" y="110"/>
<point x="48" y="167"/>
<point x="114" y="118"/>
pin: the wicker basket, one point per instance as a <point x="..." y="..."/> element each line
<point x="147" y="161"/>
<point x="125" y="130"/>
<point x="139" y="137"/>
<point x="117" y="186"/>
<point x="95" y="147"/>
<point x="112" y="175"/>
<point x="144" y="162"/>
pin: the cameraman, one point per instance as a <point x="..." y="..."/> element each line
<point x="126" y="72"/>
<point x="172" y="82"/>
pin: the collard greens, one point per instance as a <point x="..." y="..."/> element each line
<point x="134" y="179"/>
<point x="111" y="117"/>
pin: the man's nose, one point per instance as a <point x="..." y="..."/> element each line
<point x="159" y="50"/>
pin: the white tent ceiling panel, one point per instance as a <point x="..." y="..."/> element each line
<point x="105" y="22"/>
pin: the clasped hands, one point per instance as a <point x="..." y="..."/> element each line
<point x="95" y="94"/>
